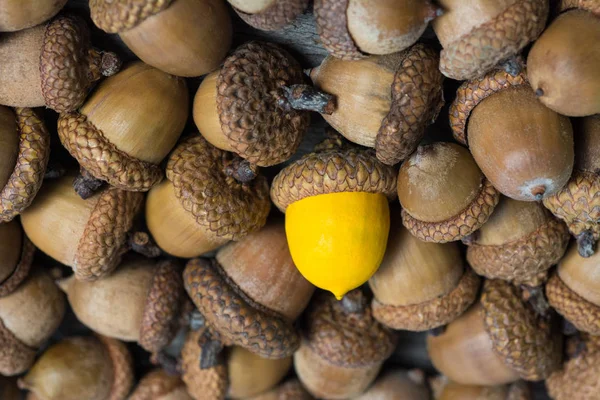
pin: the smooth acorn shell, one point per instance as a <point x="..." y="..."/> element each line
<point x="9" y="144"/>
<point x="397" y="385"/>
<point x="21" y="14"/>
<point x="11" y="246"/>
<point x="581" y="274"/>
<point x="456" y="391"/>
<point x="251" y="6"/>
<point x="587" y="143"/>
<point x="206" y="114"/>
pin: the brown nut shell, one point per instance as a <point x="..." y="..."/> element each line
<point x="21" y="271"/>
<point x="122" y="363"/>
<point x="332" y="27"/>
<point x="278" y="15"/>
<point x="23" y="14"/>
<point x="290" y="390"/>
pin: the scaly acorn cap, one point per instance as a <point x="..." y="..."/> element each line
<point x="278" y="15"/>
<point x="159" y="385"/>
<point x="118" y="16"/>
<point x="332" y="27"/>
<point x="15" y="356"/>
<point x="122" y="363"/>
<point x="21" y="271"/>
<point x="589" y="5"/>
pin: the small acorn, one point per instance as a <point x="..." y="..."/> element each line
<point x="384" y="102"/>
<point x="16" y="256"/>
<point x="290" y="390"/>
<point x="22" y="14"/>
<point x="210" y="197"/>
<point x="159" y="385"/>
<point x="562" y="65"/>
<point x="28" y="317"/>
<point x="181" y="37"/>
<point x="126" y="128"/>
<point x="10" y="391"/>
<point x="444" y="389"/>
<point x="523" y="148"/>
<point x="269" y="15"/>
<point x="52" y="65"/>
<point x="79" y="368"/>
<point x="397" y="385"/>
<point x="499" y="340"/>
<point x="444" y="171"/>
<point x="478" y="35"/>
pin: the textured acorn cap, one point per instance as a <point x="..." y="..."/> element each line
<point x="332" y="27"/>
<point x="398" y="385"/>
<point x="290" y="390"/>
<point x="122" y="364"/>
<point x="23" y="14"/>
<point x="277" y="15"/>
<point x="589" y="5"/>
<point x="159" y="385"/>
<point x="115" y="17"/>
<point x="17" y="256"/>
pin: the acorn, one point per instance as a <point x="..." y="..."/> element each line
<point x="343" y="347"/>
<point x="52" y="65"/>
<point x="384" y="102"/>
<point x="160" y="385"/>
<point x="23" y="14"/>
<point x="16" y="256"/>
<point x="499" y="340"/>
<point x="269" y="15"/>
<point x="523" y="148"/>
<point x="9" y="389"/>
<point x="478" y="35"/>
<point x="444" y="171"/>
<point x="256" y="104"/>
<point x="398" y="385"/>
<point x="126" y="128"/>
<point x="563" y="69"/>
<point x="290" y="390"/>
<point x="353" y="29"/>
<point x="210" y="197"/>
<point x="421" y="286"/>
<point x="181" y="37"/>
<point x="519" y="243"/>
<point x="81" y="368"/>
<point x="578" y="203"/>
<point x="90" y="235"/>
<point x="444" y="389"/>
<point x="28" y="317"/>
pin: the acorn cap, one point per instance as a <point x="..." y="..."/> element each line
<point x="589" y="5"/>
<point x="21" y="271"/>
<point x="15" y="356"/>
<point x="332" y="27"/>
<point x="120" y="16"/>
<point x="122" y="367"/>
<point x="32" y="159"/>
<point x="158" y="383"/>
<point x="584" y="315"/>
<point x="276" y="16"/>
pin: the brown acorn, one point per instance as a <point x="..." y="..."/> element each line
<point x="52" y="65"/>
<point x="28" y="317"/>
<point x="384" y="102"/>
<point x="9" y="389"/>
<point x="290" y="390"/>
<point x="269" y="15"/>
<point x="519" y="243"/>
<point x="353" y="29"/>
<point x="23" y="14"/>
<point x="419" y="285"/>
<point x="497" y="341"/>
<point x="478" y="35"/>
<point x="444" y="389"/>
<point x="180" y="37"/>
<point x="397" y="385"/>
<point x="126" y="128"/>
<point x="578" y="203"/>
<point x="159" y="385"/>
<point x="522" y="147"/>
<point x="88" y="235"/>
<point x="82" y="368"/>
<point x="343" y="347"/>
<point x="562" y="65"/>
<point x="16" y="256"/>
<point x="210" y="197"/>
<point x="444" y="171"/>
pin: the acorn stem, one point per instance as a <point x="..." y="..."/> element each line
<point x="196" y="320"/>
<point x="534" y="295"/>
<point x="86" y="185"/>
<point x="586" y="244"/>
<point x="211" y="349"/>
<point x="54" y="170"/>
<point x="241" y="170"/>
<point x="306" y="97"/>
<point x="143" y="244"/>
<point x="102" y="63"/>
<point x="513" y="65"/>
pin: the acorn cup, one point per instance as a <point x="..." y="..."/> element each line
<point x="444" y="389"/>
<point x="81" y="368"/>
<point x="52" y="65"/>
<point x="256" y="104"/>
<point x="16" y="256"/>
<point x="126" y="128"/>
<point x="9" y="389"/>
<point x="444" y="171"/>
<point x="522" y="147"/>
<point x="290" y="390"/>
<point x="398" y="385"/>
<point x="16" y="15"/>
<point x="478" y="35"/>
<point x="499" y="340"/>
<point x="562" y="65"/>
<point x="269" y="15"/>
<point x="210" y="197"/>
<point x="181" y="37"/>
<point x="384" y="102"/>
<point x="160" y="385"/>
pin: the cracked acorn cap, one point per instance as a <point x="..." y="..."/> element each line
<point x="478" y="35"/>
<point x="127" y="127"/>
<point x="444" y="171"/>
<point x="252" y="293"/>
<point x="16" y="256"/>
<point x="160" y="385"/>
<point x="82" y="368"/>
<point x="519" y="243"/>
<point x="444" y="389"/>
<point x="181" y="37"/>
<point x="384" y="102"/>
<point x="269" y="15"/>
<point x="523" y="148"/>
<point x="16" y="15"/>
<point x="28" y="317"/>
<point x="88" y="235"/>
<point x="210" y="197"/>
<point x="497" y="341"/>
<point x="290" y="390"/>
<point x="398" y="385"/>
<point x="52" y="65"/>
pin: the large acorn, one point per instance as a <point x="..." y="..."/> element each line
<point x="181" y="37"/>
<point x="497" y="341"/>
<point x="269" y="15"/>
<point x="88" y="235"/>
<point x="16" y="256"/>
<point x="52" y="65"/>
<point x="477" y="35"/>
<point x="444" y="171"/>
<point x="397" y="385"/>
<point x="160" y="385"/>
<point x="444" y="389"/>
<point x="290" y="390"/>
<point x="523" y="148"/>
<point x="22" y="14"/>
<point x="210" y="197"/>
<point x="384" y="102"/>
<point x="562" y="65"/>
<point x="126" y="128"/>
<point x="252" y="292"/>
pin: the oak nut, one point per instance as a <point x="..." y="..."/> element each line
<point x="499" y="340"/>
<point x="16" y="256"/>
<point x="523" y="148"/>
<point x="52" y="65"/>
<point x="127" y="127"/>
<point x="28" y="317"/>
<point x="384" y="102"/>
<point x="210" y="197"/>
<point x="160" y="385"/>
<point x="444" y="389"/>
<point x="23" y="14"/>
<point x="444" y="171"/>
<point x="181" y="37"/>
<point x="81" y="368"/>
<point x="269" y="15"/>
<point x="477" y="35"/>
<point x="290" y="390"/>
<point x="397" y="385"/>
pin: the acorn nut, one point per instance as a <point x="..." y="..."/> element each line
<point x="269" y="15"/>
<point x="16" y="15"/>
<point x="159" y="385"/>
<point x="444" y="389"/>
<point x="290" y="390"/>
<point x="16" y="256"/>
<point x="397" y="385"/>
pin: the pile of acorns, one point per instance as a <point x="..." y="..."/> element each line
<point x="174" y="244"/>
